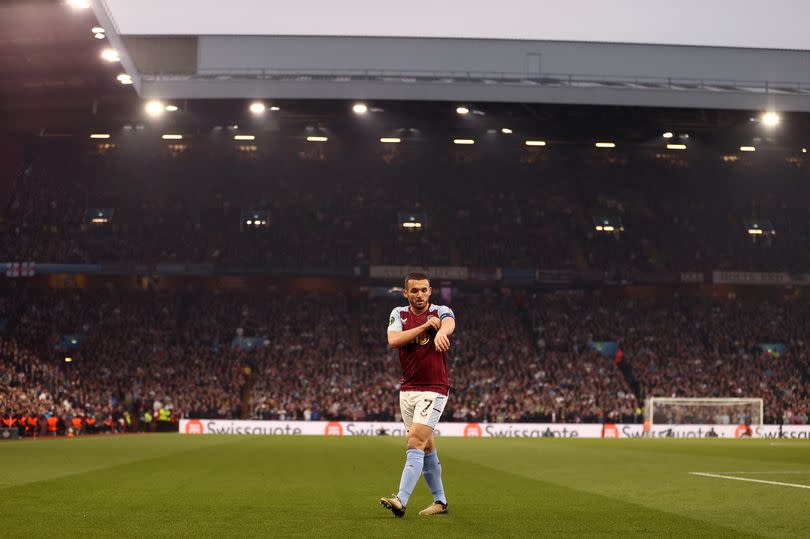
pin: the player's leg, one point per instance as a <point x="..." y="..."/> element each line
<point x="432" y="468"/>
<point x="431" y="444"/>
<point x="418" y="436"/>
<point x="396" y="504"/>
<point x="432" y="471"/>
<point x="428" y="408"/>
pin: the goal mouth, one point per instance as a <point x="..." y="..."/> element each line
<point x="743" y="412"/>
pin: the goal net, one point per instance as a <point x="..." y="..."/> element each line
<point x="686" y="411"/>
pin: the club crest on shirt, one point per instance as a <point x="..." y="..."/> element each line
<point x="423" y="338"/>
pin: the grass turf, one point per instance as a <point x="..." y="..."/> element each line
<point x="169" y="485"/>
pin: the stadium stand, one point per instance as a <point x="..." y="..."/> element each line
<point x="520" y="355"/>
<point x="186" y="207"/>
<point x="516" y="357"/>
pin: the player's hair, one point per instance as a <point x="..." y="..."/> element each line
<point x="416" y="276"/>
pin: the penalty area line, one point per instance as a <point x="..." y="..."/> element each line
<point x="779" y="483"/>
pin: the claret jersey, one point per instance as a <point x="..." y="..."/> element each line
<point x="423" y="367"/>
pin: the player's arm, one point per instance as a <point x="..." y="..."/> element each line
<point x="398" y="338"/>
<point x="447" y="327"/>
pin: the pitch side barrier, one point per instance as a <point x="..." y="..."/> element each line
<point x="490" y="430"/>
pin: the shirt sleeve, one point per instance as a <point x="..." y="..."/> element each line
<point x="444" y="312"/>
<point x="395" y="321"/>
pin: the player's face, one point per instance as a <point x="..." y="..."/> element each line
<point x="418" y="293"/>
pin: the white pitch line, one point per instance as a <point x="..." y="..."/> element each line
<point x="780" y="472"/>
<point x="750" y="480"/>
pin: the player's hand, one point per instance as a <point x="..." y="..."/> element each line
<point x="442" y="342"/>
<point x="433" y="323"/>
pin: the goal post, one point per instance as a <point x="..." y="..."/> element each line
<point x="703" y="411"/>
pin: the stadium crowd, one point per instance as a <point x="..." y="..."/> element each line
<point x="145" y="359"/>
<point x="187" y="208"/>
<point x="140" y="360"/>
<point x="693" y="348"/>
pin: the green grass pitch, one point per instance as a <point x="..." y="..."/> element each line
<point x="286" y="486"/>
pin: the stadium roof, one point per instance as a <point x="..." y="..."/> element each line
<point x="52" y="81"/>
<point x="685" y="55"/>
<point x="723" y="23"/>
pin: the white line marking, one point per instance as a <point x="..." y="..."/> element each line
<point x="750" y="480"/>
<point x="777" y="472"/>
